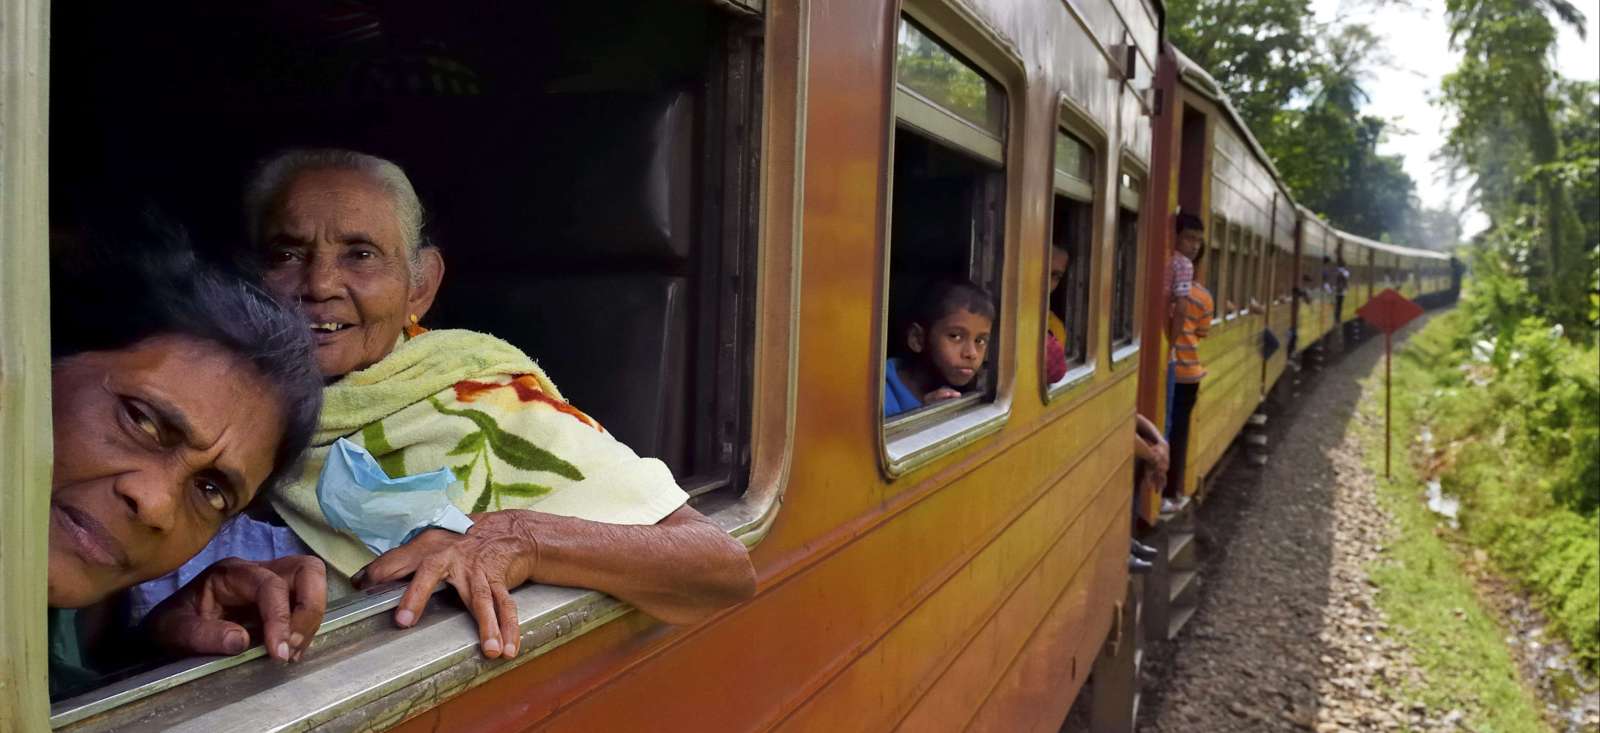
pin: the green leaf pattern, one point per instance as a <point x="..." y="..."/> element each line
<point x="489" y="440"/>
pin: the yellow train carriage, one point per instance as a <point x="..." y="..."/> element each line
<point x="959" y="568"/>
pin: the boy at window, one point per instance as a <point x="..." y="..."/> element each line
<point x="947" y="341"/>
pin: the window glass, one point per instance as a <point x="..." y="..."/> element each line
<point x="928" y="68"/>
<point x="1071" y="232"/>
<point x="1247" y="291"/>
<point x="1125" y="264"/>
<point x="1238" y="265"/>
<point x="1212" y="266"/>
<point x="946" y="218"/>
<point x="1074" y="157"/>
<point x="1259" y="274"/>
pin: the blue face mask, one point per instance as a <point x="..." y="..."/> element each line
<point x="358" y="498"/>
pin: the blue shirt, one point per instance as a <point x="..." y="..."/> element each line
<point x="897" y="397"/>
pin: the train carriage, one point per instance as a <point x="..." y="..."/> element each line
<point x="1219" y="171"/>
<point x="744" y="194"/>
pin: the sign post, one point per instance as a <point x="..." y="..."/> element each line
<point x="1388" y="312"/>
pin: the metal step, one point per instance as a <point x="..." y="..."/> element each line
<point x="1181" y="582"/>
<point x="1180" y="616"/>
<point x="1176" y="543"/>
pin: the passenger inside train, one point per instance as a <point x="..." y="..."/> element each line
<point x="596" y="205"/>
<point x="179" y="395"/>
<point x="945" y="345"/>
<point x="1056" y="329"/>
<point x="553" y="497"/>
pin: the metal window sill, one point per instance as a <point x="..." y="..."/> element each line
<point x="362" y="672"/>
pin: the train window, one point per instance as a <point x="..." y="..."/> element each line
<point x="945" y="238"/>
<point x="1071" y="238"/>
<point x="1241" y="275"/>
<point x="1283" y="275"/>
<point x="1125" y="265"/>
<point x="1253" y="299"/>
<point x="1212" y="265"/>
<point x="581" y="164"/>
<point x="1228" y="301"/>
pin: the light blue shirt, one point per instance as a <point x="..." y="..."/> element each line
<point x="897" y="397"/>
<point x="241" y="537"/>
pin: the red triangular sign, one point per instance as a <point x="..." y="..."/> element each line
<point x="1389" y="311"/>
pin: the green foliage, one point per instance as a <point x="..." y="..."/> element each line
<point x="1529" y="140"/>
<point x="1431" y="601"/>
<point x="1262" y="53"/>
<point x="1515" y="409"/>
<point x="921" y="64"/>
<point x="1298" y="87"/>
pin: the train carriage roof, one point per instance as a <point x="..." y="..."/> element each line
<point x="1393" y="249"/>
<point x="1198" y="79"/>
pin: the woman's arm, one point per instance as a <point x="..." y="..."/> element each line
<point x="680" y="570"/>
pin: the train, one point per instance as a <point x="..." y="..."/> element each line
<point x="703" y="217"/>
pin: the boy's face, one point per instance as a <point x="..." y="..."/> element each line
<point x="1189" y="242"/>
<point x="1058" y="267"/>
<point x="956" y="345"/>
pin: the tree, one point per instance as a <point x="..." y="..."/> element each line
<point x="1508" y="134"/>
<point x="1298" y="87"/>
<point x="1261" y="51"/>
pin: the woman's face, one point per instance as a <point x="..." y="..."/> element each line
<point x="155" y="445"/>
<point x="334" y="245"/>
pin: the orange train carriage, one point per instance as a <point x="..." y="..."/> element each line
<point x="754" y="182"/>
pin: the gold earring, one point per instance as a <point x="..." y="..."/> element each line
<point x="415" y="329"/>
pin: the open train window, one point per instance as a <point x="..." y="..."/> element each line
<point x="1210" y="271"/>
<point x="1125" y="265"/>
<point x="590" y="173"/>
<point x="1261" y="288"/>
<point x="1072" y="238"/>
<point x="1252" y="260"/>
<point x="1237" y="265"/>
<point x="1283" y="275"/>
<point x="947" y="213"/>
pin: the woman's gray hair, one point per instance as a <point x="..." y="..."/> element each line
<point x="273" y="174"/>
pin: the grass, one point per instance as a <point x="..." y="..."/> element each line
<point x="1430" y="599"/>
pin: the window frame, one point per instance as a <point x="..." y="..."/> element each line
<point x="1075" y="121"/>
<point x="1129" y="200"/>
<point x="1236" y="270"/>
<point x="438" y="659"/>
<point x="907" y="443"/>
<point x="1216" y="256"/>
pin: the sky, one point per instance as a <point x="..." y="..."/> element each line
<point x="1405" y="83"/>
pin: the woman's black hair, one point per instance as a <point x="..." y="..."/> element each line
<point x="113" y="290"/>
<point x="1189" y="222"/>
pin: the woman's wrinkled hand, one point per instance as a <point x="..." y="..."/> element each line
<point x="483" y="565"/>
<point x="286" y="597"/>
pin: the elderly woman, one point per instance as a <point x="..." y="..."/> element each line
<point x="178" y="394"/>
<point x="554" y="498"/>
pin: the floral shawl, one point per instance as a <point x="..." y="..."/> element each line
<point x="478" y="405"/>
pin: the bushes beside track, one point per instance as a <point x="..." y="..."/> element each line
<point x="1513" y="407"/>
